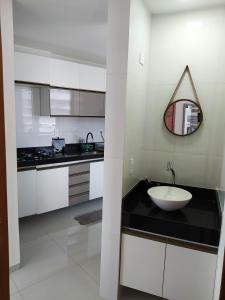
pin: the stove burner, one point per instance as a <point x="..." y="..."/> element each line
<point x="35" y="156"/>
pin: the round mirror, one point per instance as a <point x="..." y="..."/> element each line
<point x="183" y="117"/>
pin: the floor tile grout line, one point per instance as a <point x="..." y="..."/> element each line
<point x="90" y="276"/>
<point x="11" y="278"/>
<point x="22" y="244"/>
<point x="50" y="275"/>
<point x="78" y="264"/>
<point x="21" y="295"/>
<point x="49" y="237"/>
<point x="39" y="281"/>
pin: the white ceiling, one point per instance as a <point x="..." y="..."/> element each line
<point x="71" y="28"/>
<point x="77" y="29"/>
<point x="170" y="6"/>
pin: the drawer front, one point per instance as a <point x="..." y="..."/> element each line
<point x="77" y="189"/>
<point x="83" y="197"/>
<point x="81" y="168"/>
<point x="76" y="179"/>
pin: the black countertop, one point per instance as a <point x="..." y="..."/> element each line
<point x="72" y="153"/>
<point x="198" y="222"/>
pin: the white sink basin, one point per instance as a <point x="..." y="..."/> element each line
<point x="169" y="198"/>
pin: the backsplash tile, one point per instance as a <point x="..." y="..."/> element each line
<point x="34" y="130"/>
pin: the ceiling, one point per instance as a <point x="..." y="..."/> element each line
<point x="170" y="6"/>
<point x="71" y="28"/>
<point x="77" y="29"/>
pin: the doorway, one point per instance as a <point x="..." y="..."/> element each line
<point x="4" y="257"/>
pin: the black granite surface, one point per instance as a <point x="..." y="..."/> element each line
<point x="199" y="221"/>
<point x="72" y="152"/>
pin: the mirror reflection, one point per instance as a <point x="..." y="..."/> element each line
<point x="183" y="117"/>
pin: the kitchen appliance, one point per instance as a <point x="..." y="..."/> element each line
<point x="24" y="155"/>
<point x="58" y="144"/>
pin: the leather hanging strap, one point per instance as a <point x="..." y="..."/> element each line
<point x="187" y="70"/>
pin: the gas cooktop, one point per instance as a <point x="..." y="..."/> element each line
<point x="35" y="155"/>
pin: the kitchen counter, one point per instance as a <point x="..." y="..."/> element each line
<point x="72" y="154"/>
<point x="196" y="225"/>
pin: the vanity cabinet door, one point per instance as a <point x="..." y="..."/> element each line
<point x="189" y="274"/>
<point x="142" y="264"/>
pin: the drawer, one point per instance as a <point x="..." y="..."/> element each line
<point x="76" y="179"/>
<point x="83" y="197"/>
<point x="77" y="189"/>
<point x="81" y="168"/>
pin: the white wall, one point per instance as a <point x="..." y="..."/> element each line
<point x="129" y="36"/>
<point x="196" y="39"/>
<point x="32" y="130"/>
<point x="117" y="45"/>
<point x="137" y="88"/>
<point x="10" y="125"/>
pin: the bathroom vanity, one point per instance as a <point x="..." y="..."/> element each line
<point x="170" y="254"/>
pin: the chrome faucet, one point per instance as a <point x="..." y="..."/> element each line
<point x="170" y="169"/>
<point x="102" y="136"/>
<point x="91" y="134"/>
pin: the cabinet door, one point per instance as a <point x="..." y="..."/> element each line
<point x="52" y="189"/>
<point x="142" y="264"/>
<point x="92" y="104"/>
<point x="64" y="102"/>
<point x="96" y="180"/>
<point x="27" y="193"/>
<point x="92" y="78"/>
<point x="64" y="73"/>
<point x="189" y="274"/>
<point x="32" y="68"/>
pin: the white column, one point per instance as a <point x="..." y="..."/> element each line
<point x="117" y="56"/>
<point x="10" y="128"/>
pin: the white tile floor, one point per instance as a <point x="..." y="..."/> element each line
<point x="60" y="259"/>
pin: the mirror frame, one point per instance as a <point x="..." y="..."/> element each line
<point x="179" y="100"/>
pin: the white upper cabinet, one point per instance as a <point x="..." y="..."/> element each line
<point x="92" y="78"/>
<point x="59" y="73"/>
<point x="64" y="74"/>
<point x="32" y="68"/>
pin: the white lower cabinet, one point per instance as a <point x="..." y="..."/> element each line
<point x="52" y="189"/>
<point x="189" y="274"/>
<point x="96" y="179"/>
<point x="142" y="264"/>
<point x="27" y="193"/>
<point x="45" y="190"/>
<point x="171" y="272"/>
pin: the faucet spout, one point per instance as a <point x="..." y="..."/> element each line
<point x="171" y="169"/>
<point x="91" y="134"/>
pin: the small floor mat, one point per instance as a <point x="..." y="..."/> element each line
<point x="93" y="217"/>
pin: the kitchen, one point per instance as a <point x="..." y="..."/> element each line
<point x="59" y="134"/>
<point x="60" y="125"/>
